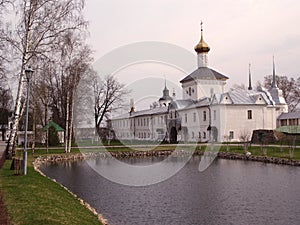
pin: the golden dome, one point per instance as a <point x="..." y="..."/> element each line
<point x="202" y="46"/>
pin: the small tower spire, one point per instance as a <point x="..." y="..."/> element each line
<point x="250" y="79"/>
<point x="201" y="28"/>
<point x="274" y="85"/>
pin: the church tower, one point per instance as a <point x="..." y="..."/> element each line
<point x="204" y="81"/>
<point x="166" y="98"/>
<point x="276" y="93"/>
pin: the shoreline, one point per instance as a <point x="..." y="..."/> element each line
<point x="132" y="154"/>
<point x="36" y="165"/>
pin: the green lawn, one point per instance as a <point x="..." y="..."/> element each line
<point x="34" y="199"/>
<point x="273" y="151"/>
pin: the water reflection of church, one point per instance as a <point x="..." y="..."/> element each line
<point x="206" y="111"/>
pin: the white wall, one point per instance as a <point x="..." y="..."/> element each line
<point x="235" y="118"/>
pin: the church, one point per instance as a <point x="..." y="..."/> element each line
<point x="206" y="111"/>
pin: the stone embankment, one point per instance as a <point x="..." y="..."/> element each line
<point x="265" y="159"/>
<point x="140" y="154"/>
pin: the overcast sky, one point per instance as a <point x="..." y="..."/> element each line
<point x="239" y="32"/>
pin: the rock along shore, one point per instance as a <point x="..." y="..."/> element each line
<point x="140" y="154"/>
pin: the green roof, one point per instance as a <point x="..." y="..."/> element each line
<point x="52" y="124"/>
<point x="289" y="129"/>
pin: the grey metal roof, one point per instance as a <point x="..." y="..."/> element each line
<point x="146" y="112"/>
<point x="158" y="110"/>
<point x="244" y="97"/>
<point x="181" y="104"/>
<point x="277" y="96"/>
<point x="200" y="103"/>
<point x="204" y="73"/>
<point x="290" y="115"/>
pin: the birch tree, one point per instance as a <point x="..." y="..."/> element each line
<point x="77" y="58"/>
<point x="41" y="23"/>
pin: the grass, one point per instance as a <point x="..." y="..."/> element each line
<point x="34" y="199"/>
<point x="272" y="151"/>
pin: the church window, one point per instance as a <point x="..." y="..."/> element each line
<point x="193" y="90"/>
<point x="204" y="135"/>
<point x="249" y="114"/>
<point x="190" y="91"/>
<point x="231" y="135"/>
<point x="185" y="118"/>
<point x="215" y="114"/>
<point x="204" y="115"/>
<point x="194" y="115"/>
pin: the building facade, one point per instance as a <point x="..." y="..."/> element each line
<point x="207" y="112"/>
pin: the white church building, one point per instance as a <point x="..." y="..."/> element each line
<point x="206" y="113"/>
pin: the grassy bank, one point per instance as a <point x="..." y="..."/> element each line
<point x="271" y="151"/>
<point x="34" y="199"/>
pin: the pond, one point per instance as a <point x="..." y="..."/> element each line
<point x="228" y="192"/>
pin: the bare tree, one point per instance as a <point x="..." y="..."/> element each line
<point x="245" y="139"/>
<point x="108" y="93"/>
<point x="41" y="24"/>
<point x="292" y="144"/>
<point x="290" y="89"/>
<point x="281" y="137"/>
<point x="227" y="139"/>
<point x="74" y="60"/>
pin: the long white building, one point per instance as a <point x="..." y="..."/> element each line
<point x="207" y="112"/>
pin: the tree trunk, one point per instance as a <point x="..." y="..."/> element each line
<point x="71" y="124"/>
<point x="46" y="123"/>
<point x="10" y="149"/>
<point x="67" y="124"/>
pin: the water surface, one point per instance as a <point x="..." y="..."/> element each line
<point x="228" y="192"/>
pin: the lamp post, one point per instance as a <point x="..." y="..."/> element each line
<point x="28" y="74"/>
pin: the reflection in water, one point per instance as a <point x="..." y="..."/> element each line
<point x="228" y="192"/>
